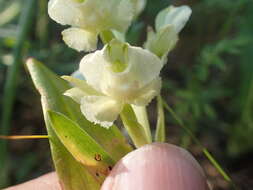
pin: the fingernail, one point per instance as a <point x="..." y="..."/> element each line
<point x="158" y="166"/>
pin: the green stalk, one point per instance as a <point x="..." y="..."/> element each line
<point x="9" y="13"/>
<point x="204" y="150"/>
<point x="11" y="84"/>
<point x="160" y="135"/>
<point x="133" y="127"/>
<point x="142" y="118"/>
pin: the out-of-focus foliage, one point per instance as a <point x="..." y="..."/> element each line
<point x="208" y="79"/>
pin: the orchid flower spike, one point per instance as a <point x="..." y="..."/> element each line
<point x="118" y="74"/>
<point x="89" y="18"/>
<point x="169" y="22"/>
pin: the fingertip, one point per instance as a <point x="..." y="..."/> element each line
<point x="157" y="166"/>
<point x="46" y="182"/>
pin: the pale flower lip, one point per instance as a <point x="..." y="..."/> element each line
<point x="134" y="80"/>
<point x="89" y="18"/>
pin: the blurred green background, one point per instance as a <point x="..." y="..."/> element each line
<point x="208" y="81"/>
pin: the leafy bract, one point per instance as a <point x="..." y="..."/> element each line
<point x="82" y="146"/>
<point x="73" y="175"/>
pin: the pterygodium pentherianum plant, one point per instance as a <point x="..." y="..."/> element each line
<point x="118" y="80"/>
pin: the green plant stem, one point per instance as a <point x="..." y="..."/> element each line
<point x="133" y="127"/>
<point x="9" y="13"/>
<point x="142" y="117"/>
<point x="11" y="83"/>
<point x="160" y="135"/>
<point x="204" y="150"/>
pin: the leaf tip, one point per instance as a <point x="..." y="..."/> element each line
<point x="30" y="60"/>
<point x="65" y="77"/>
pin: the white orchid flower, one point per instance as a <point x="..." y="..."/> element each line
<point x="118" y="74"/>
<point x="89" y="18"/>
<point x="169" y="22"/>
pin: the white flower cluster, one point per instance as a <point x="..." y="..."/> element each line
<point x="88" y="18"/>
<point x="118" y="74"/>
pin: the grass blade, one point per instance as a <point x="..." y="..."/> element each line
<point x="11" y="84"/>
<point x="24" y="137"/>
<point x="204" y="150"/>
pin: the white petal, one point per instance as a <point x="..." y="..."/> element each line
<point x="139" y="6"/>
<point x="92" y="66"/>
<point x="142" y="68"/>
<point x="76" y="94"/>
<point x="101" y="109"/>
<point x="80" y="39"/>
<point x="65" y="12"/>
<point x="147" y="93"/>
<point x="162" y="42"/>
<point x="175" y="16"/>
<point x="123" y="16"/>
<point x="93" y="15"/>
<point x="82" y="85"/>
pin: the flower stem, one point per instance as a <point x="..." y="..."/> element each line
<point x="133" y="127"/>
<point x="160" y="135"/>
<point x="142" y="117"/>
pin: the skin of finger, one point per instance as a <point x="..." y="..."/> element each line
<point x="45" y="182"/>
<point x="157" y="166"/>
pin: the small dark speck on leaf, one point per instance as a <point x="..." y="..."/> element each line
<point x="98" y="157"/>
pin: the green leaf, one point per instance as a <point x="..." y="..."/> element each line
<point x="82" y="146"/>
<point x="51" y="88"/>
<point x="72" y="174"/>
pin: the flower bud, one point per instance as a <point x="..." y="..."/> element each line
<point x="169" y="22"/>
